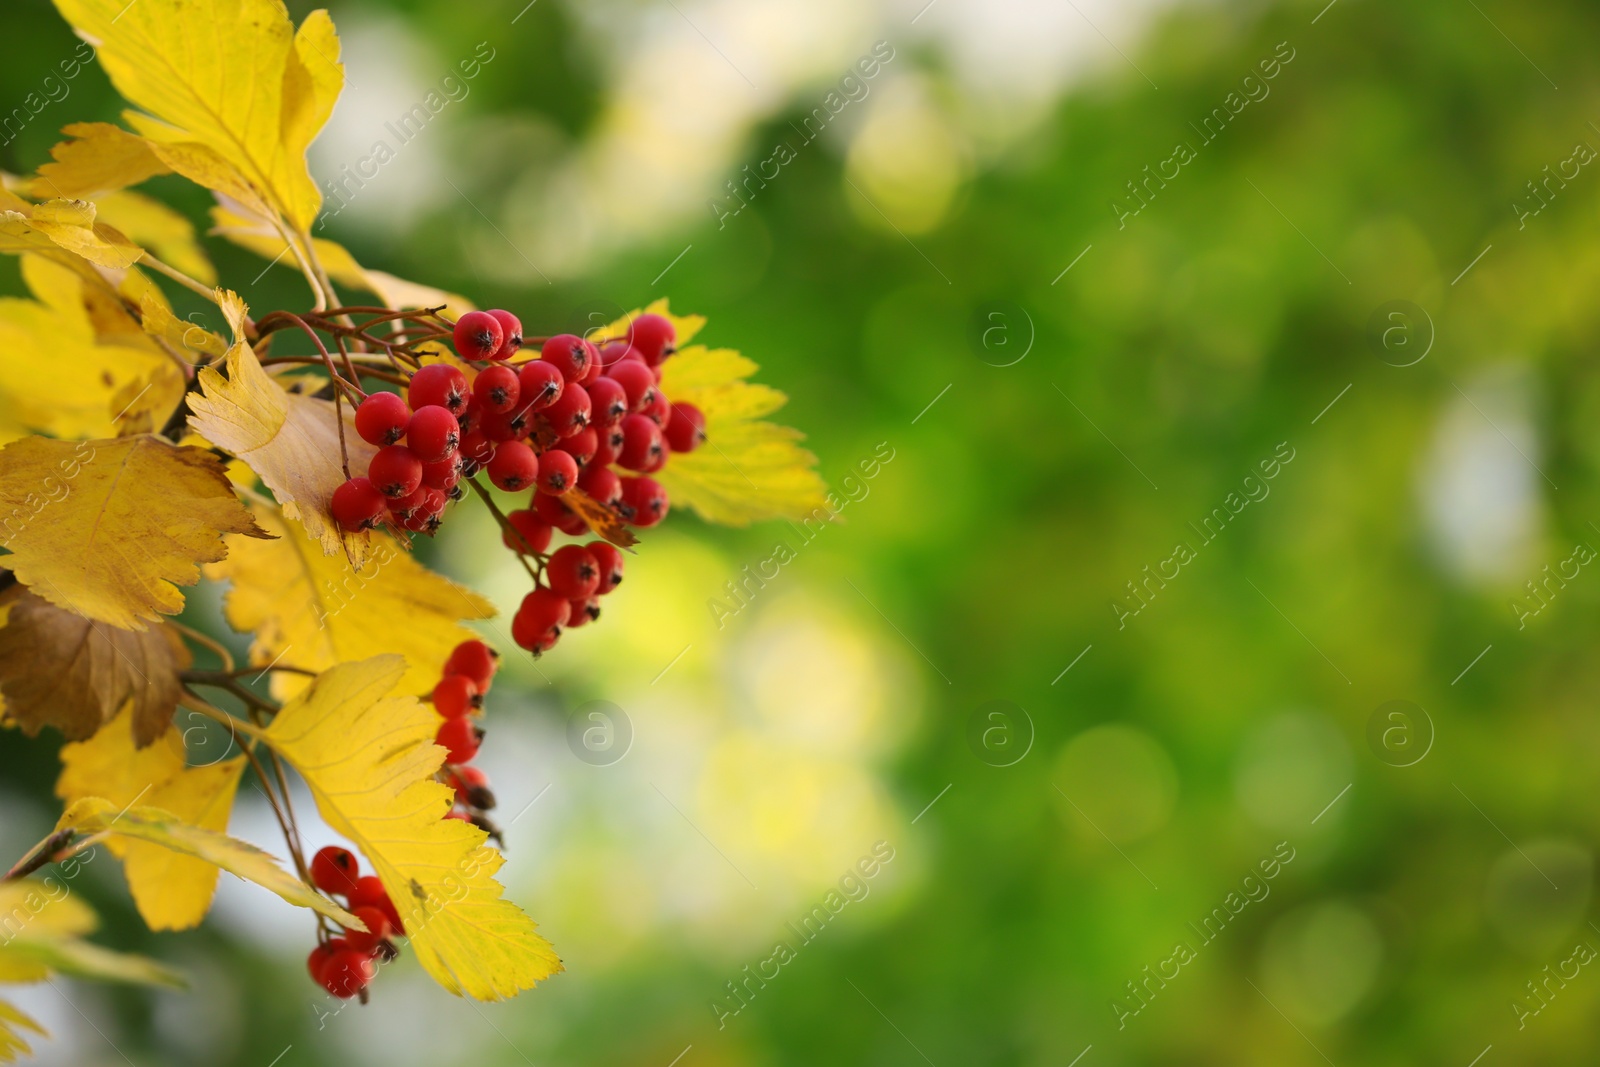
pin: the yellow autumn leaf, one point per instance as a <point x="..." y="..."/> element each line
<point x="198" y="342"/>
<point x="68" y="225"/>
<point x="686" y="326"/>
<point x="43" y="919"/>
<point x="95" y="815"/>
<point x="316" y="611"/>
<point x="172" y="890"/>
<point x="369" y="759"/>
<point x="12" y="1043"/>
<point x="232" y="96"/>
<point x="60" y="669"/>
<point x="290" y="440"/>
<point x="100" y="158"/>
<point x="109" y="529"/>
<point x="259" y="237"/>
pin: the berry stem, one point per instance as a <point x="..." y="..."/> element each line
<point x="505" y="525"/>
<point x="178" y="276"/>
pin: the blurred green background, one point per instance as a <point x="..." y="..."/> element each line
<point x="905" y="279"/>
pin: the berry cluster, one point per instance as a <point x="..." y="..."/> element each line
<point x="582" y="427"/>
<point x="344" y="966"/>
<point x="458" y="698"/>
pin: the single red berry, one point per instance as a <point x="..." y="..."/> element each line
<point x="460" y="738"/>
<point x="608" y="401"/>
<point x="572" y="572"/>
<point x="497" y="388"/>
<point x="609" y="559"/>
<point x="441" y="384"/>
<point x="601" y="484"/>
<point x="405" y="509"/>
<point x="581" y="446"/>
<point x="570" y="354"/>
<point x="611" y="353"/>
<point x="557" y="473"/>
<point x="652" y="336"/>
<point x="381" y="419"/>
<point x="636" y="380"/>
<point x="395" y="471"/>
<point x="476" y="446"/>
<point x="478" y="335"/>
<point x="686" y="430"/>
<point x="476" y="660"/>
<point x="334" y="869"/>
<point x="472" y="788"/>
<point x="347" y="972"/>
<point x="545" y="607"/>
<point x="442" y="474"/>
<point x="510" y="334"/>
<point x="320" y="955"/>
<point x="506" y="425"/>
<point x="514" y="466"/>
<point x="378" y="929"/>
<point x="658" y="409"/>
<point x="458" y="815"/>
<point x="369" y="891"/>
<point x="433" y="434"/>
<point x="641" y="443"/>
<point x="570" y="413"/>
<point x="456" y="695"/>
<point x="357" y="505"/>
<point x="610" y="445"/>
<point x="584" y="611"/>
<point x="540" y="384"/>
<point x="644" y="501"/>
<point x="534" y="530"/>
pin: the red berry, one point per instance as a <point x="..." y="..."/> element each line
<point x="540" y="618"/>
<point x="570" y="413"/>
<point x="609" y="559"/>
<point x="497" y="388"/>
<point x="570" y="354"/>
<point x="652" y="336"/>
<point x="405" y="509"/>
<point x="347" y="972"/>
<point x="319" y="958"/>
<point x="641" y="443"/>
<point x="584" y="611"/>
<point x="608" y="401"/>
<point x="456" y="695"/>
<point x="441" y="384"/>
<point x="369" y="891"/>
<point x="378" y="928"/>
<point x="514" y="466"/>
<point x="334" y="869"/>
<point x="644" y="502"/>
<point x="476" y="446"/>
<point x="468" y="416"/>
<point x="460" y="738"/>
<point x="395" y="471"/>
<point x="534" y="530"/>
<point x="557" y="473"/>
<point x="478" y="335"/>
<point x="655" y="464"/>
<point x="572" y="572"/>
<point x="686" y="430"/>
<point x="551" y="510"/>
<point x="657" y="408"/>
<point x="600" y="484"/>
<point x="433" y="434"/>
<point x="506" y="425"/>
<point x="636" y="380"/>
<point x="540" y="384"/>
<point x="581" y="446"/>
<point x="472" y="788"/>
<point x="476" y="660"/>
<point x="381" y="419"/>
<point x="615" y="351"/>
<point x="442" y="474"/>
<point x="510" y="334"/>
<point x="357" y="505"/>
<point x="610" y="445"/>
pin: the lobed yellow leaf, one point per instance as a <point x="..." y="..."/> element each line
<point x="60" y="669"/>
<point x="316" y="611"/>
<point x="290" y="440"/>
<point x="67" y="225"/>
<point x="121" y="523"/>
<point x="172" y="890"/>
<point x="12" y="1043"/>
<point x="158" y="321"/>
<point x="93" y="815"/>
<point x="369" y="759"/>
<point x="100" y="158"/>
<point x="232" y="95"/>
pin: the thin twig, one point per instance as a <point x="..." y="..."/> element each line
<point x="212" y="643"/>
<point x="505" y="524"/>
<point x="178" y="276"/>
